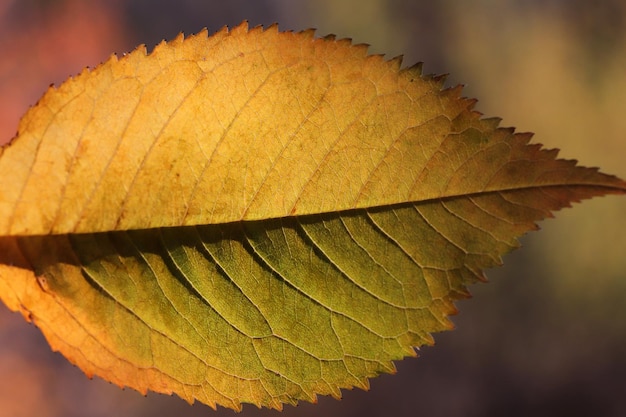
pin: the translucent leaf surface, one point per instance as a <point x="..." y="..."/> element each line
<point x="259" y="216"/>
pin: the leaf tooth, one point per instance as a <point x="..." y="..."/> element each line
<point x="411" y="351"/>
<point x="273" y="28"/>
<point x="334" y="391"/>
<point x="178" y="39"/>
<point x="430" y="77"/>
<point x="525" y="137"/>
<point x="257" y="30"/>
<point x="551" y="154"/>
<point x="309" y="395"/>
<point x="308" y="33"/>
<point x="141" y="49"/>
<point x="441" y="78"/>
<point x="221" y="31"/>
<point x="361" y="48"/>
<point x="415" y="69"/>
<point x="347" y="42"/>
<point x="396" y="62"/>
<point x="455" y="94"/>
<point x="390" y="367"/>
<point x="471" y="103"/>
<point x="492" y="123"/>
<point x="363" y="383"/>
<point x="273" y="404"/>
<point x="454" y="91"/>
<point x="204" y="33"/>
<point x="379" y="58"/>
<point x="160" y="46"/>
<point x="242" y="28"/>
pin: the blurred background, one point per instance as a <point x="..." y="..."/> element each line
<point x="546" y="337"/>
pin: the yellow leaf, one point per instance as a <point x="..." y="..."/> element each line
<point x="260" y="216"/>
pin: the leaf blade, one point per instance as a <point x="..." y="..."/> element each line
<point x="245" y="156"/>
<point x="334" y="208"/>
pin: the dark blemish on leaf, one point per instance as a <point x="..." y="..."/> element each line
<point x="43" y="283"/>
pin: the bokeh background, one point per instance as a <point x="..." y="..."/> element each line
<point x="546" y="337"/>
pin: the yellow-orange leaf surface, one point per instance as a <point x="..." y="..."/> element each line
<point x="260" y="216"/>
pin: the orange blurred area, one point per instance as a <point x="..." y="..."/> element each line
<point x="546" y="337"/>
<point x="44" y="42"/>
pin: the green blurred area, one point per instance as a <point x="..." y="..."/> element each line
<point x="548" y="335"/>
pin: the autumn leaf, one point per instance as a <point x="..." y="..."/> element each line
<point x="259" y="216"/>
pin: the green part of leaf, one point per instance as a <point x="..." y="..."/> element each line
<point x="283" y="309"/>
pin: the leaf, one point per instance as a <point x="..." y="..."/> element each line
<point x="259" y="216"/>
